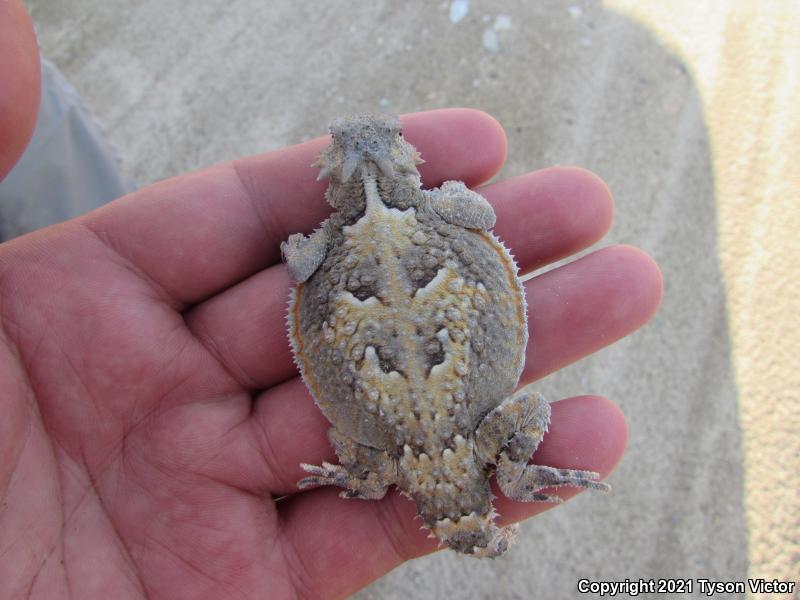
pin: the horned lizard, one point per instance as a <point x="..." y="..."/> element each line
<point x="408" y="324"/>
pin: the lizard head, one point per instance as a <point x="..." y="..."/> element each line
<point x="363" y="139"/>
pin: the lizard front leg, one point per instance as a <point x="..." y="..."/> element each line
<point x="459" y="205"/>
<point x="303" y="255"/>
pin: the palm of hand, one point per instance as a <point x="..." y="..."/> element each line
<point x="151" y="410"/>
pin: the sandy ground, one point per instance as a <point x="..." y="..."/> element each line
<point x="690" y="114"/>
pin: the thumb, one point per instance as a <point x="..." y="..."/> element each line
<point x="19" y="82"/>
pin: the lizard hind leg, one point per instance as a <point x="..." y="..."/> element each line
<point x="363" y="472"/>
<point x="509" y="435"/>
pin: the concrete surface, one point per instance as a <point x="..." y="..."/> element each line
<point x="689" y="113"/>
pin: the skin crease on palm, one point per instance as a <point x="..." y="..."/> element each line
<point x="151" y="412"/>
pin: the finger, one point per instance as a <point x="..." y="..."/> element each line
<point x="19" y="80"/>
<point x="345" y="544"/>
<point x="550" y="214"/>
<point x="588" y="304"/>
<point x="542" y="216"/>
<point x="197" y="234"/>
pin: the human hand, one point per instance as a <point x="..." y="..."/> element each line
<point x="153" y="421"/>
